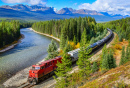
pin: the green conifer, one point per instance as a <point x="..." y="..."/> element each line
<point x="68" y="46"/>
<point x="62" y="41"/>
<point x="94" y="67"/>
<point x="127" y="54"/>
<point x="111" y="60"/>
<point x="52" y="50"/>
<point x="83" y="62"/>
<point x="104" y="61"/>
<point x="105" y="64"/>
<point x="64" y="68"/>
<point x="123" y="58"/>
<point x="63" y="36"/>
<point x="74" y="40"/>
<point x="92" y="40"/>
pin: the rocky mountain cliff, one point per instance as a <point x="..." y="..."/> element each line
<point x="26" y="8"/>
<point x="80" y="11"/>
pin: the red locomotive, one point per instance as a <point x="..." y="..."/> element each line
<point x="42" y="70"/>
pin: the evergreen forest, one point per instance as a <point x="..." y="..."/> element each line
<point x="9" y="32"/>
<point x="121" y="27"/>
<point x="70" y="28"/>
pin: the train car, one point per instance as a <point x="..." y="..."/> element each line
<point x="74" y="53"/>
<point x="42" y="70"/>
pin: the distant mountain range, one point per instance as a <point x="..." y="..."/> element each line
<point x="80" y="11"/>
<point x="46" y="13"/>
<point x="49" y="10"/>
<point x="26" y="8"/>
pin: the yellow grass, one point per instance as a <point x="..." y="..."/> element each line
<point x="111" y="78"/>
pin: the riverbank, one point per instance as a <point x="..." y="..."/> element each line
<point x="21" y="76"/>
<point x="10" y="46"/>
<point x="57" y="39"/>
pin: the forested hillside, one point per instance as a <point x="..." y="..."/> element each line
<point x="9" y="32"/>
<point x="121" y="27"/>
<point x="71" y="28"/>
<point x="108" y="69"/>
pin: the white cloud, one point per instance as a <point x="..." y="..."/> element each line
<point x="32" y="2"/>
<point x="111" y="6"/>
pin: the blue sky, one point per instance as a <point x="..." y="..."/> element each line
<point x="58" y="4"/>
<point x="111" y="6"/>
<point x="67" y="3"/>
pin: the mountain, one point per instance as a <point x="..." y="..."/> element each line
<point x="105" y="13"/>
<point x="26" y="12"/>
<point x="80" y="11"/>
<point x="26" y="8"/>
<point x="113" y="15"/>
<point x="85" y="11"/>
<point x="65" y="11"/>
<point x="13" y="13"/>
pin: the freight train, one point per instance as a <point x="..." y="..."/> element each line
<point x="47" y="68"/>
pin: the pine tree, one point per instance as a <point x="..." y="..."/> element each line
<point x="78" y="29"/>
<point x="52" y="50"/>
<point x="105" y="64"/>
<point x="74" y="40"/>
<point x="83" y="62"/>
<point x="64" y="67"/>
<point x="123" y="59"/>
<point x="111" y="60"/>
<point x="83" y="38"/>
<point x="104" y="61"/>
<point x="68" y="46"/>
<point x="104" y="51"/>
<point x="129" y="39"/>
<point x="94" y="67"/>
<point x="63" y="37"/>
<point x="129" y="42"/>
<point x="62" y="41"/>
<point x="120" y="37"/>
<point x="127" y="54"/>
<point x="92" y="40"/>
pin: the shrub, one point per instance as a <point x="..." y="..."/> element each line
<point x="118" y="47"/>
<point x="77" y="46"/>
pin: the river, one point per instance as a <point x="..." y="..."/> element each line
<point x="31" y="50"/>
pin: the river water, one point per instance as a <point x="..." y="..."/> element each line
<point x="31" y="50"/>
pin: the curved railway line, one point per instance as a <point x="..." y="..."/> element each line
<point x="95" y="50"/>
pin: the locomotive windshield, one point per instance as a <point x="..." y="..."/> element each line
<point x="35" y="68"/>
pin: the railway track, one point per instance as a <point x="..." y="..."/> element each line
<point x="26" y="85"/>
